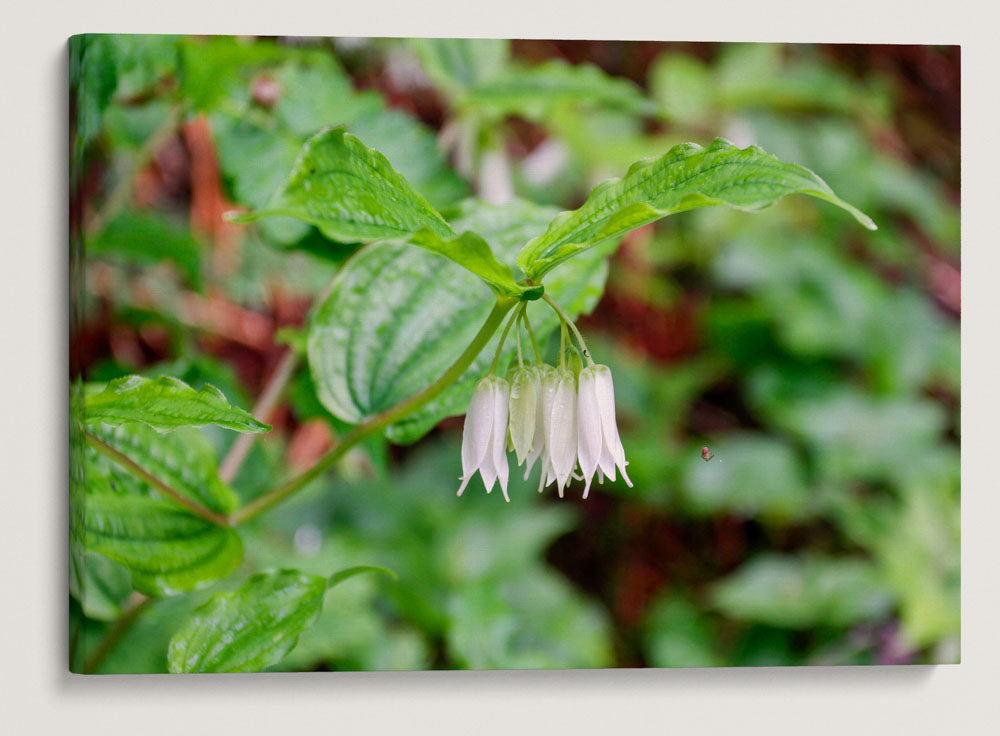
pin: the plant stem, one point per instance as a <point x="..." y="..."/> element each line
<point x="137" y="470"/>
<point x="122" y="190"/>
<point x="265" y="405"/>
<point x="115" y="633"/>
<point x="569" y="323"/>
<point x="531" y="334"/>
<point x="562" y="345"/>
<point x="503" y="339"/>
<point x="517" y="334"/>
<point x="376" y="423"/>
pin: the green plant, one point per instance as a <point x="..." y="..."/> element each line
<point x="421" y="293"/>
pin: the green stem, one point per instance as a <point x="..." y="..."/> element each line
<point x="378" y="422"/>
<point x="531" y="334"/>
<point x="137" y="470"/>
<point x="562" y="345"/>
<point x="517" y="333"/>
<point x="503" y="339"/>
<point x="569" y="323"/>
<point x="115" y="633"/>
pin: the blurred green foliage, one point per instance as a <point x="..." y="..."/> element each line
<point x="819" y="363"/>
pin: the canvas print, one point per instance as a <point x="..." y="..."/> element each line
<point x="411" y="354"/>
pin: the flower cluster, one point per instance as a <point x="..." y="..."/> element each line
<point x="562" y="417"/>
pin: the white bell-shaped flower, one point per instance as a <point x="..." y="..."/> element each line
<point x="525" y="390"/>
<point x="543" y="380"/>
<point x="598" y="444"/>
<point x="484" y="437"/>
<point x="560" y="429"/>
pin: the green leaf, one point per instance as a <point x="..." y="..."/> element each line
<point x="350" y="572"/>
<point x="682" y="85"/>
<point x="183" y="459"/>
<point x="804" y="592"/>
<point x="101" y="587"/>
<point x="256" y="161"/>
<point x="316" y="93"/>
<point x="751" y="474"/>
<point x="166" y="403"/>
<point x="166" y="549"/>
<point x="686" y="177"/>
<point x="251" y="628"/>
<point x="351" y="193"/>
<point x="397" y="317"/>
<point x="532" y="619"/>
<point x="457" y="64"/>
<point x="472" y="252"/>
<point x="256" y="626"/>
<point x="412" y="149"/>
<point x="93" y="77"/>
<point x="148" y="239"/>
<point x="677" y="634"/>
<point x="211" y="68"/>
<point x="533" y="91"/>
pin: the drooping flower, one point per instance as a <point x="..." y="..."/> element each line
<point x="543" y="378"/>
<point x="484" y="437"/>
<point x="561" y="429"/>
<point x="599" y="446"/>
<point x="525" y="390"/>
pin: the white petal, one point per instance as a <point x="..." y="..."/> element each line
<point x="606" y="464"/>
<point x="478" y="428"/>
<point x="562" y="440"/>
<point x="499" y="450"/>
<point x="612" y="442"/>
<point x="523" y="412"/>
<point x="589" y="437"/>
<point x="538" y="442"/>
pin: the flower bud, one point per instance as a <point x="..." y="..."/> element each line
<point x="524" y="401"/>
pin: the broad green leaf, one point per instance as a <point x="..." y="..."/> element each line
<point x="251" y="628"/>
<point x="256" y="626"/>
<point x="804" y="592"/>
<point x="397" y="317"/>
<point x="751" y="475"/>
<point x="457" y="64"/>
<point x="165" y="403"/>
<point x="212" y="68"/>
<point x="530" y="620"/>
<point x="533" y="91"/>
<point x="472" y="252"/>
<point x="101" y="587"/>
<point x="316" y="93"/>
<point x="166" y="549"/>
<point x="144" y="60"/>
<point x="93" y="77"/>
<point x="686" y="177"/>
<point x="183" y="459"/>
<point x="413" y="150"/>
<point x="852" y="433"/>
<point x="682" y="86"/>
<point x="148" y="239"/>
<point x="351" y="193"/>
<point x="678" y="634"/>
<point x="256" y="159"/>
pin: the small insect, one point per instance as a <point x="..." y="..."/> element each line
<point x="706" y="454"/>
